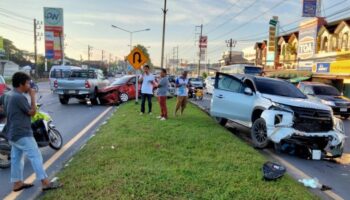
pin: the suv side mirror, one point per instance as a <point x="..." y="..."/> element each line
<point x="248" y="91"/>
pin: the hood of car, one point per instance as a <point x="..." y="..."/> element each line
<point x="334" y="98"/>
<point x="297" y="102"/>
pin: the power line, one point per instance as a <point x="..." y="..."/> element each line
<point x="16" y="31"/>
<point x="223" y="13"/>
<point x="15" y="14"/>
<point x="10" y="17"/>
<point x="16" y="27"/>
<point x="229" y="20"/>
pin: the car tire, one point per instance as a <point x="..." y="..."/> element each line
<point x="345" y="116"/>
<point x="259" y="134"/>
<point x="94" y="99"/>
<point x="124" y="97"/>
<point x="63" y="99"/>
<point x="221" y="121"/>
<point x="5" y="151"/>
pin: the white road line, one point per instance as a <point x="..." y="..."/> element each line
<point x="58" y="154"/>
<point x="300" y="173"/>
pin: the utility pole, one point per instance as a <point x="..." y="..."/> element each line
<point x="231" y="43"/>
<point x="89" y="52"/>
<point x="177" y="59"/>
<point x="164" y="19"/>
<point x="173" y="64"/>
<point x="35" y="49"/>
<point x="200" y="53"/>
<point x="109" y="62"/>
<point x="102" y="56"/>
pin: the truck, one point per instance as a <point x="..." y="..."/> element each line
<point x="81" y="84"/>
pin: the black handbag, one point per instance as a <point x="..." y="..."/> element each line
<point x="273" y="171"/>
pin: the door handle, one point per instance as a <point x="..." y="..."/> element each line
<point x="220" y="96"/>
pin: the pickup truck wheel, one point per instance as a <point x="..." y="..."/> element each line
<point x="259" y="134"/>
<point x="221" y="121"/>
<point x="124" y="97"/>
<point x="345" y="116"/>
<point x="63" y="99"/>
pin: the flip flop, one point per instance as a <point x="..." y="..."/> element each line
<point x="53" y="185"/>
<point x="24" y="186"/>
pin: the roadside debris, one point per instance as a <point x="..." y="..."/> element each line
<point x="314" y="183"/>
<point x="273" y="171"/>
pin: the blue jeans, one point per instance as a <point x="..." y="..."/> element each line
<point x="28" y="146"/>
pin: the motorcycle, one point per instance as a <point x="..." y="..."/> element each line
<point x="44" y="131"/>
<point x="195" y="92"/>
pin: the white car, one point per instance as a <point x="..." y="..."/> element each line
<point x="209" y="84"/>
<point x="278" y="112"/>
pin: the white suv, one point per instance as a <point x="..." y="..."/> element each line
<point x="276" y="111"/>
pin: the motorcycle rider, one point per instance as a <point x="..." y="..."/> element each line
<point x="20" y="135"/>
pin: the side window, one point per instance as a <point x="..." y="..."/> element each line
<point x="229" y="83"/>
<point x="132" y="81"/>
<point x="302" y="88"/>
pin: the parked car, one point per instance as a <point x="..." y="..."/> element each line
<point x="3" y="86"/>
<point x="125" y="86"/>
<point x="327" y="95"/>
<point x="276" y="111"/>
<point x="60" y="72"/>
<point x="209" y="84"/>
<point x="80" y="84"/>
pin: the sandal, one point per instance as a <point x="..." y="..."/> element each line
<point x="53" y="185"/>
<point x="23" y="186"/>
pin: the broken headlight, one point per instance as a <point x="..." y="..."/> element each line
<point x="280" y="107"/>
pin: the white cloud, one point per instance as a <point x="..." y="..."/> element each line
<point x="84" y="23"/>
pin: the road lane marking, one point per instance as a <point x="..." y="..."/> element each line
<point x="301" y="174"/>
<point x="58" y="154"/>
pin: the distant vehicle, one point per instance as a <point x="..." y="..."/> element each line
<point x="242" y="69"/>
<point x="196" y="82"/>
<point x="80" y="84"/>
<point x="60" y="72"/>
<point x="327" y="95"/>
<point x="209" y="84"/>
<point x="171" y="87"/>
<point x="276" y="111"/>
<point x="3" y="86"/>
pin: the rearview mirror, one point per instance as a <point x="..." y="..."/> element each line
<point x="248" y="91"/>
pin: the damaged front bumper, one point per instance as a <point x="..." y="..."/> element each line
<point x="280" y="127"/>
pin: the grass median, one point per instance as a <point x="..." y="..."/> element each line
<point x="188" y="157"/>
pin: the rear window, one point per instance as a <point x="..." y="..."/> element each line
<point x="60" y="73"/>
<point x="278" y="88"/>
<point x="326" y="90"/>
<point x="252" y="70"/>
<point x="83" y="74"/>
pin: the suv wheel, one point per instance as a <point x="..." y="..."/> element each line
<point x="259" y="134"/>
<point x="64" y="99"/>
<point x="221" y="121"/>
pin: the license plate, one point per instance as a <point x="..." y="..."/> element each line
<point x="71" y="91"/>
<point x="343" y="109"/>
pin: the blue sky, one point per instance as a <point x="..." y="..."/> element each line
<point x="88" y="22"/>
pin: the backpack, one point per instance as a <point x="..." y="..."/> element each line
<point x="273" y="171"/>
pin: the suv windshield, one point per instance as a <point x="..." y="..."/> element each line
<point x="195" y="79"/>
<point x="326" y="90"/>
<point x="278" y="88"/>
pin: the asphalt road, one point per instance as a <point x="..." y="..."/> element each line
<point x="69" y="120"/>
<point x="335" y="174"/>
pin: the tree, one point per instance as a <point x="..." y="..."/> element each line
<point x="16" y="55"/>
<point x="145" y="51"/>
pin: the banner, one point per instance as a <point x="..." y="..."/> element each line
<point x="309" y="8"/>
<point x="54" y="42"/>
<point x="203" y="41"/>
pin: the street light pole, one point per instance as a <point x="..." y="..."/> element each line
<point x="164" y="19"/>
<point x="137" y="77"/>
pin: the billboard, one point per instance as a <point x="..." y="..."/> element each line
<point x="309" y="8"/>
<point x="203" y="42"/>
<point x="307" y="41"/>
<point x="53" y="22"/>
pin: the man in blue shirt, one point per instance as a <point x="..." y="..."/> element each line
<point x="182" y="93"/>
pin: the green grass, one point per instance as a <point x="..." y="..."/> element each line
<point x="189" y="157"/>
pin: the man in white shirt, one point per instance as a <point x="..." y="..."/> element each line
<point x="148" y="81"/>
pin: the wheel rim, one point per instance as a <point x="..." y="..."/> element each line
<point x="55" y="139"/>
<point x="260" y="133"/>
<point x="124" y="97"/>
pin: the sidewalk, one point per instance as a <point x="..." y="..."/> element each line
<point x="188" y="157"/>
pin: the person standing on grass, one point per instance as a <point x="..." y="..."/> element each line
<point x="182" y="94"/>
<point x="148" y="81"/>
<point x="20" y="134"/>
<point x="163" y="87"/>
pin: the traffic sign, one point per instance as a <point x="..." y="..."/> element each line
<point x="137" y="58"/>
<point x="273" y="22"/>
